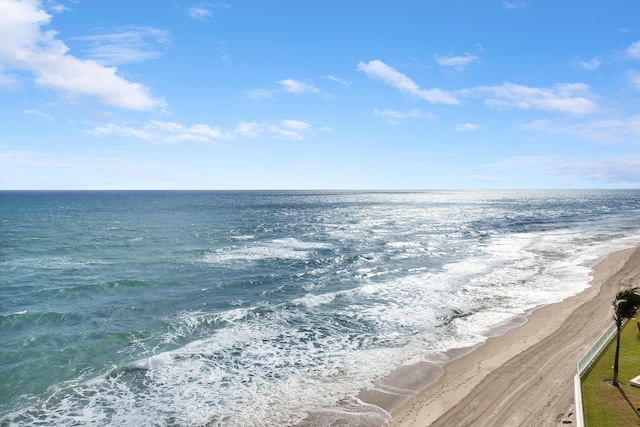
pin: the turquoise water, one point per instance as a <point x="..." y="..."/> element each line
<point x="258" y="308"/>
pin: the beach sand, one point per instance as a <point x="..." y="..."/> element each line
<point x="525" y="376"/>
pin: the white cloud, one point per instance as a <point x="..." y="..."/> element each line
<point x="607" y="131"/>
<point x="283" y="133"/>
<point x="17" y="158"/>
<point x="292" y="130"/>
<point x="57" y="8"/>
<point x="517" y="4"/>
<point x="259" y="94"/>
<point x="248" y="129"/>
<point x="377" y="69"/>
<point x="296" y="125"/>
<point x="39" y="114"/>
<point x="396" y="117"/>
<point x="342" y="82"/>
<point x="589" y="65"/>
<point x="8" y="81"/>
<point x="634" y="78"/>
<point x="133" y="45"/>
<point x="612" y="170"/>
<point x="633" y="51"/>
<point x="465" y="127"/>
<point x="203" y="11"/>
<point x="459" y="62"/>
<point x="200" y="12"/>
<point x="523" y="161"/>
<point x="25" y="45"/>
<point x="572" y="98"/>
<point x="114" y="129"/>
<point x="157" y="132"/>
<point x="297" y="87"/>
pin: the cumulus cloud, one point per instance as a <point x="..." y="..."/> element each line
<point x="27" y="46"/>
<point x="159" y="132"/>
<point x="378" y="70"/>
<point x="571" y="98"/>
<point x="133" y="45"/>
<point x="459" y="62"/>
<point x="297" y="87"/>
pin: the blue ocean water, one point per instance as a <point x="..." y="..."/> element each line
<point x="259" y="308"/>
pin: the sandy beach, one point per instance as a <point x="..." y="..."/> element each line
<point x="525" y="376"/>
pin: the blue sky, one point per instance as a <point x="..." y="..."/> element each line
<point x="247" y="94"/>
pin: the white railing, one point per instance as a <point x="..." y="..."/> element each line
<point x="577" y="389"/>
<point x="583" y="364"/>
<point x="595" y="350"/>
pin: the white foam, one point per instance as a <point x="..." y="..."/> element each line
<point x="245" y="237"/>
<point x="17" y="313"/>
<point x="285" y="248"/>
<point x="154" y="362"/>
<point x="310" y="301"/>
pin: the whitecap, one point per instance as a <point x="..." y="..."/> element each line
<point x="311" y="301"/>
<point x="285" y="248"/>
<point x="154" y="361"/>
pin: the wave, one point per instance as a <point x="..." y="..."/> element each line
<point x="285" y="248"/>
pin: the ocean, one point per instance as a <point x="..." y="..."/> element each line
<point x="267" y="308"/>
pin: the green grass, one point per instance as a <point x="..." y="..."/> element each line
<point x="604" y="404"/>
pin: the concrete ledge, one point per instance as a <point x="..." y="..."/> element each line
<point x="635" y="381"/>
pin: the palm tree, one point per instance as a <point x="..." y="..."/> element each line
<point x="625" y="306"/>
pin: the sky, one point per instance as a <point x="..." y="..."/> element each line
<point x="290" y="94"/>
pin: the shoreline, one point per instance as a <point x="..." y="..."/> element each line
<point x="535" y="362"/>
